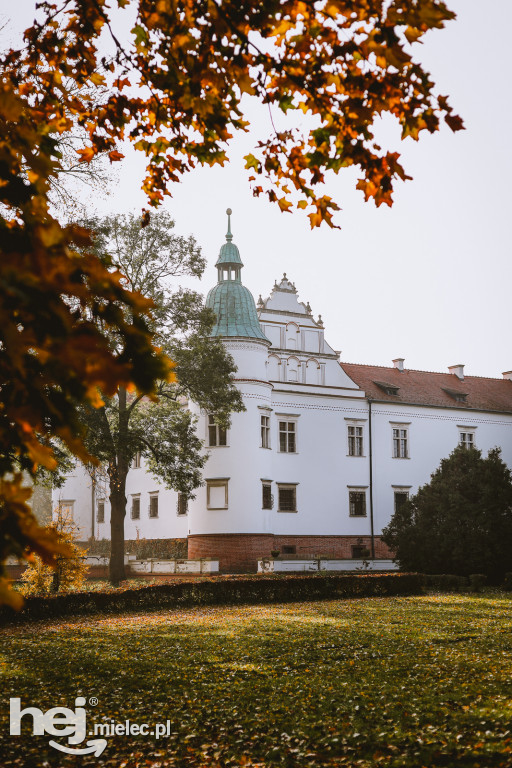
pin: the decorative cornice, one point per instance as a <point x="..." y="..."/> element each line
<point x="241" y="342"/>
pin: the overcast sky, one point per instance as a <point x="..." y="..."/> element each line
<point x="429" y="279"/>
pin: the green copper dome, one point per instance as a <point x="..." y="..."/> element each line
<point x="231" y="301"/>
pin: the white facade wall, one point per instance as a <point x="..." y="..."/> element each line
<point x="299" y="378"/>
<point x="433" y="433"/>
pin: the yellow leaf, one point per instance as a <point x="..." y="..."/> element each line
<point x="9" y="596"/>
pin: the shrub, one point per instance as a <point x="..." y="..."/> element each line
<point x="165" y="549"/>
<point x="219" y="591"/>
<point x="460" y="522"/>
<point x="477" y="581"/>
<point x="69" y="573"/>
<point x="445" y="582"/>
<point x="507" y="581"/>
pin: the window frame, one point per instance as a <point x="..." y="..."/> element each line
<point x="100" y="519"/>
<point x="398" y="441"/>
<point x="289" y="420"/>
<point x="218" y="432"/>
<point x="287" y="487"/>
<point x="352" y="440"/>
<point x="136" y="460"/>
<point x="399" y="492"/>
<point x="265" y="430"/>
<point x="362" y="554"/>
<point x="267" y="484"/>
<point x="360" y="491"/>
<point x="468" y="431"/>
<point x="217" y="482"/>
<point x="182" y="501"/>
<point x="152" y="498"/>
<point x="135" y="497"/>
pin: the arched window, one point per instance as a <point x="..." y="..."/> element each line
<point x="293" y="369"/>
<point x="312" y="372"/>
<point x="292" y="336"/>
<point x="273" y="368"/>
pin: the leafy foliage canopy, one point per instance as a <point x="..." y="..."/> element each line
<point x="460" y="522"/>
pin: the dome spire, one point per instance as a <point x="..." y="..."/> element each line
<point x="230" y="300"/>
<point x="229" y="236"/>
<point x="229" y="256"/>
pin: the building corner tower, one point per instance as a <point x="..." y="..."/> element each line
<point x="226" y="519"/>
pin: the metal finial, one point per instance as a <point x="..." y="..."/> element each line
<point x="229" y="236"/>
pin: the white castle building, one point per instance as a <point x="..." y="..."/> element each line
<point x="322" y="455"/>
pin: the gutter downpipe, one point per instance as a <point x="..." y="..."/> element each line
<point x="372" y="532"/>
<point x="93" y="504"/>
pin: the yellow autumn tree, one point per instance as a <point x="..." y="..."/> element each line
<point x="69" y="571"/>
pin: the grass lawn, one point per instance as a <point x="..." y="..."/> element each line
<point x="416" y="681"/>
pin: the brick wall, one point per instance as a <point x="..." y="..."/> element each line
<point x="239" y="552"/>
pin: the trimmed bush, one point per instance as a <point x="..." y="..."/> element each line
<point x="444" y="582"/>
<point x="507" y="582"/>
<point x="477" y="581"/>
<point x="217" y="591"/>
<point x="164" y="549"/>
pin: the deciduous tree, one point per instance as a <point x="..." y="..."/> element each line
<point x="161" y="430"/>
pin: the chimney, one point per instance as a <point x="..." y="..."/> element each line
<point x="507" y="375"/>
<point x="458" y="370"/>
<point x="399" y="363"/>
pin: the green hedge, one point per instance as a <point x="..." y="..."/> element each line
<point x="220" y="590"/>
<point x="447" y="582"/>
<point x="165" y="549"/>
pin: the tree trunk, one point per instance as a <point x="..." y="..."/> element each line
<point x="117" y="514"/>
<point x="117" y="472"/>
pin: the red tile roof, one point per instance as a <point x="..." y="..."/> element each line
<point x="436" y="389"/>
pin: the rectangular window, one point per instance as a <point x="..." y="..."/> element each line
<point x="100" y="517"/>
<point x="359" y="552"/>
<point x="136" y="461"/>
<point x="153" y="505"/>
<point x="217" y="494"/>
<point x="357" y="503"/>
<point x="287" y="437"/>
<point x="135" y="510"/>
<point x="267" y="502"/>
<point x="400" y="443"/>
<point x="66" y="509"/>
<point x="355" y="440"/>
<point x="265" y="431"/>
<point x="216" y="435"/>
<point x="288" y="549"/>
<point x="287" y="498"/>
<point x="467" y="439"/>
<point x="400" y="499"/>
<point x="182" y="503"/>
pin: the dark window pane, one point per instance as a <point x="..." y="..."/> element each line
<point x="400" y="499"/>
<point x="267" y="496"/>
<point x="287" y="499"/>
